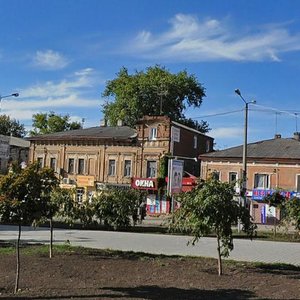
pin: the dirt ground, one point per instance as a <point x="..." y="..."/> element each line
<point x="92" y="274"/>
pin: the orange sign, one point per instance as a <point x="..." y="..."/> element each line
<point x="85" y="181"/>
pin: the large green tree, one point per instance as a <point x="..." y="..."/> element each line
<point x="51" y="122"/>
<point x="211" y="209"/>
<point x="12" y="127"/>
<point x="23" y="198"/>
<point x="153" y="92"/>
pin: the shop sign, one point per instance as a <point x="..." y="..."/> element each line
<point x="85" y="181"/>
<point x="261" y="194"/>
<point x="144" y="183"/>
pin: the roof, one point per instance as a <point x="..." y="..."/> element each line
<point x="190" y="129"/>
<point x="120" y="133"/>
<point x="278" y="148"/>
<point x="14" y="141"/>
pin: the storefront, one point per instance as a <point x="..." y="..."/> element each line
<point x="262" y="212"/>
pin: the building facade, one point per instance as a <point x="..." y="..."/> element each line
<point x="97" y="158"/>
<point x="12" y="149"/>
<point x="271" y="165"/>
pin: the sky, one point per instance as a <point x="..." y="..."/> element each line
<point x="59" y="54"/>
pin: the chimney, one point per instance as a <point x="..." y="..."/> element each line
<point x="120" y="123"/>
<point x="297" y="136"/>
<point x="277" y="136"/>
<point x="103" y="123"/>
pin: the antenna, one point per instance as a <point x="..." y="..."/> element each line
<point x="296" y="119"/>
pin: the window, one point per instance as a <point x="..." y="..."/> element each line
<point x="79" y="195"/>
<point x="71" y="166"/>
<point x="80" y="166"/>
<point x="40" y="162"/>
<point x="153" y="133"/>
<point x="215" y="175"/>
<point x="232" y="177"/>
<point x="53" y="163"/>
<point x="151" y="168"/>
<point x="111" y="167"/>
<point x="298" y="183"/>
<point x="195" y="142"/>
<point x="261" y="181"/>
<point x="127" y="168"/>
<point x="207" y="146"/>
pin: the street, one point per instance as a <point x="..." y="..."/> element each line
<point x="244" y="250"/>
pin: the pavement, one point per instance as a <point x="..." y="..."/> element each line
<point x="244" y="250"/>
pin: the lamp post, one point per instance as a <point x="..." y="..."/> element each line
<point x="244" y="178"/>
<point x="11" y="95"/>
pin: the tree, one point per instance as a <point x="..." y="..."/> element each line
<point x="11" y="127"/>
<point x="154" y="92"/>
<point x="276" y="200"/>
<point x="292" y="211"/>
<point x="210" y="208"/>
<point x="23" y="199"/>
<point x="60" y="204"/>
<point x="116" y="207"/>
<point x="44" y="123"/>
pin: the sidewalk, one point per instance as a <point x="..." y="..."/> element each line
<point x="162" y="221"/>
<point x="244" y="249"/>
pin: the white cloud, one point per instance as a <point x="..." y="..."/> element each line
<point x="69" y="94"/>
<point x="50" y="60"/>
<point x="78" y="81"/>
<point x="226" y="132"/>
<point x="189" y="39"/>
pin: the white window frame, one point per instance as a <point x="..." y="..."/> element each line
<point x="265" y="183"/>
<point x="150" y="173"/>
<point x="40" y="161"/>
<point x="55" y="161"/>
<point x="152" y="133"/>
<point x="81" y="159"/>
<point x="207" y="148"/>
<point x="297" y="187"/>
<point x="71" y="170"/>
<point x="195" y="142"/>
<point x="127" y="168"/>
<point x="79" y="195"/>
<point x="111" y="167"/>
<point x="230" y="179"/>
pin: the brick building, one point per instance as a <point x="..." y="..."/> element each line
<point x="271" y="164"/>
<point x="102" y="157"/>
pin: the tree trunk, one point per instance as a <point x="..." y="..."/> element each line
<point x="220" y="270"/>
<point x="51" y="238"/>
<point x="18" y="261"/>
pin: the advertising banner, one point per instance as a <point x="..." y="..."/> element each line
<point x="175" y="175"/>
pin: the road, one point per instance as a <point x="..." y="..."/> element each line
<point x="244" y="250"/>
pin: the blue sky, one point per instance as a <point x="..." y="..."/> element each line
<point x="59" y="54"/>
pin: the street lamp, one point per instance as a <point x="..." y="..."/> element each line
<point x="11" y="95"/>
<point x="244" y="179"/>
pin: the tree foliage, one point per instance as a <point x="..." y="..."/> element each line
<point x="24" y="197"/>
<point x="11" y="127"/>
<point x="44" y="123"/>
<point x="115" y="208"/>
<point x="292" y="211"/>
<point x="210" y="208"/>
<point x="146" y="93"/>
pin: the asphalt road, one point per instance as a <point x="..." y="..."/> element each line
<point x="244" y="250"/>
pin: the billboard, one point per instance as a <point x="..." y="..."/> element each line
<point x="175" y="176"/>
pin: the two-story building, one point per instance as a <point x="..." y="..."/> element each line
<point x="271" y="164"/>
<point x="95" y="158"/>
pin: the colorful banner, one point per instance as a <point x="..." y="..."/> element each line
<point x="175" y="175"/>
